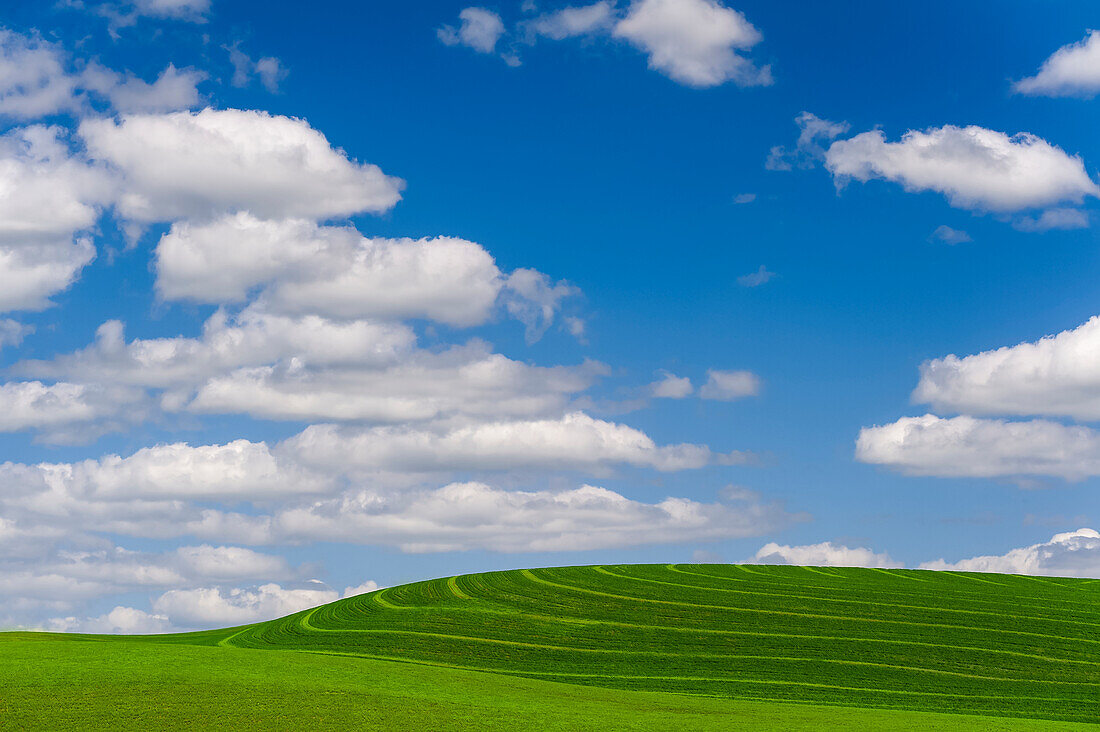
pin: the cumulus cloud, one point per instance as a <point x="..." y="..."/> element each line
<point x="306" y="268"/>
<point x="694" y="42"/>
<point x="37" y="79"/>
<point x="974" y="167"/>
<point x="1072" y="70"/>
<point x="947" y="235"/>
<point x="479" y="29"/>
<point x="173" y="90"/>
<point x="204" y="164"/>
<point x="825" y="554"/>
<point x="33" y="79"/>
<point x="671" y="386"/>
<point x="214" y="607"/>
<point x="55" y="409"/>
<point x="466" y="516"/>
<point x="572" y="442"/>
<point x="1058" y="375"/>
<point x="250" y="338"/>
<point x="1070" y="554"/>
<point x="465" y="381"/>
<point x="730" y="385"/>
<point x="121" y="620"/>
<point x="361" y="589"/>
<point x="808" y="151"/>
<point x="269" y="69"/>
<point x="981" y="448"/>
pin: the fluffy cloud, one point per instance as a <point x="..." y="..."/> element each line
<point x="694" y="42"/>
<point x="462" y="381"/>
<point x="1071" y="554"/>
<point x="671" y="386"/>
<point x="479" y="29"/>
<point x="465" y="516"/>
<point x="269" y="69"/>
<point x="335" y="271"/>
<point x="730" y="385"/>
<point x="214" y="607"/>
<point x="534" y="300"/>
<point x="121" y="620"/>
<point x="251" y="338"/>
<point x="825" y="554"/>
<point x="572" y="442"/>
<point x="174" y="89"/>
<point x="1072" y="70"/>
<point x="975" y="168"/>
<point x="200" y="165"/>
<point x="47" y="196"/>
<point x="237" y="470"/>
<point x="981" y="448"/>
<point x="55" y="407"/>
<point x="1057" y="375"/>
<point x="33" y="79"/>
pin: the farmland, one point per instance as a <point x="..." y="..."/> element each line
<point x="709" y="643"/>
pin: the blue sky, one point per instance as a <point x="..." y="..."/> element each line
<point x="592" y="200"/>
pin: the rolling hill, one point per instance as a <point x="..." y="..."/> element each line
<point x="646" y="644"/>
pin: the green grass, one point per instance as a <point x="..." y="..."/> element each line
<point x="642" y="646"/>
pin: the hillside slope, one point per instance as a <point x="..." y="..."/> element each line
<point x="854" y="648"/>
<point x="937" y="641"/>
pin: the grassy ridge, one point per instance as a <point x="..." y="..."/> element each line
<point x="930" y="641"/>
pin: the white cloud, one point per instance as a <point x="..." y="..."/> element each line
<point x="201" y="165"/>
<point x="479" y="29"/>
<point x="121" y="620"/>
<point x="694" y="42"/>
<point x="813" y="131"/>
<point x="671" y="386"/>
<point x="462" y="381"/>
<point x="1071" y="554"/>
<point x="981" y="448"/>
<point x="33" y="78"/>
<point x="466" y="516"/>
<point x="570" y="22"/>
<point x="975" y="168"/>
<point x="251" y="338"/>
<point x="1055" y="218"/>
<point x="1057" y="375"/>
<point x="572" y="442"/>
<point x="825" y="554"/>
<point x="755" y="279"/>
<point x="335" y="271"/>
<point x="730" y="385"/>
<point x="54" y="407"/>
<point x="743" y="198"/>
<point x="227" y="563"/>
<point x="368" y="586"/>
<point x="173" y="90"/>
<point x="237" y="470"/>
<point x="214" y="607"/>
<point x="1072" y="70"/>
<point x="29" y="276"/>
<point x="46" y="193"/>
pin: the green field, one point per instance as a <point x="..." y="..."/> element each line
<point x="638" y="646"/>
